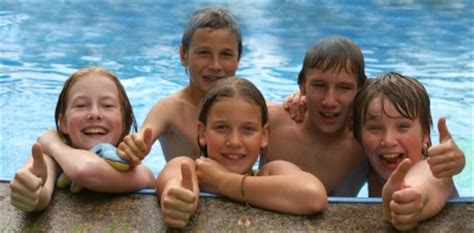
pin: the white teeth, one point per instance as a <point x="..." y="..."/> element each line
<point x="234" y="156"/>
<point x="94" y="131"/>
<point x="390" y="156"/>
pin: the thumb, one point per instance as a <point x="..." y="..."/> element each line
<point x="39" y="165"/>
<point x="147" y="136"/>
<point x="186" y="176"/>
<point x="444" y="134"/>
<point x="397" y="178"/>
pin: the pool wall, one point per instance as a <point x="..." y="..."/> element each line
<point x="100" y="212"/>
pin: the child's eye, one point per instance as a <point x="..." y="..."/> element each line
<point x="346" y="87"/>
<point x="203" y="52"/>
<point x="404" y="126"/>
<point x="374" y="128"/>
<point x="248" y="130"/>
<point x="227" y="54"/>
<point x="221" y="128"/>
<point x="318" y="85"/>
<point x="108" y="105"/>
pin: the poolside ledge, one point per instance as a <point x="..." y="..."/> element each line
<point x="98" y="212"/>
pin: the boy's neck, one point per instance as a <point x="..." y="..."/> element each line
<point x="192" y="95"/>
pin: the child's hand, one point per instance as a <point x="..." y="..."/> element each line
<point x="295" y="104"/>
<point x="445" y="159"/>
<point x="402" y="204"/>
<point x="179" y="202"/>
<point x="28" y="182"/>
<point x="210" y="173"/>
<point x="135" y="147"/>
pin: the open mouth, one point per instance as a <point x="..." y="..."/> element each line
<point x="391" y="160"/>
<point x="94" y="131"/>
<point x="233" y="156"/>
<point x="329" y="117"/>
<point x="211" y="78"/>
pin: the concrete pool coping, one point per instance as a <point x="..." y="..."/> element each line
<point x="139" y="212"/>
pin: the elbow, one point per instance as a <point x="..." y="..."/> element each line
<point x="86" y="175"/>
<point x="317" y="200"/>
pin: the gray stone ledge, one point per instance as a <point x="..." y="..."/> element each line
<point x="99" y="212"/>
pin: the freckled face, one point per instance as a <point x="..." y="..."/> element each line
<point x="388" y="137"/>
<point x="234" y="134"/>
<point x="93" y="114"/>
<point x="212" y="55"/>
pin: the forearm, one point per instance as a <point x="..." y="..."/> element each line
<point x="280" y="192"/>
<point x="94" y="173"/>
<point x="107" y="179"/>
<point x="435" y="192"/>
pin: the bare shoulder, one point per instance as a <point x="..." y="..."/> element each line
<point x="278" y="167"/>
<point x="169" y="105"/>
<point x="277" y="114"/>
<point x="165" y="111"/>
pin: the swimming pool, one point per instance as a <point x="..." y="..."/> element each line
<point x="43" y="43"/>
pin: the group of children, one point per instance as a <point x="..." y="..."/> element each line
<point x="213" y="130"/>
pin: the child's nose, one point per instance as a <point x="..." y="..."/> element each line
<point x="214" y="63"/>
<point x="234" y="140"/>
<point x="94" y="113"/>
<point x="388" y="139"/>
<point x="329" y="98"/>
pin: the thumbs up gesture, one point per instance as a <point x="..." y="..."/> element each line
<point x="402" y="204"/>
<point x="179" y="202"/>
<point x="135" y="147"/>
<point x="28" y="182"/>
<point x="445" y="159"/>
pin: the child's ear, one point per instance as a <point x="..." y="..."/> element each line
<point x="303" y="87"/>
<point x="201" y="134"/>
<point x="426" y="138"/>
<point x="265" y="135"/>
<point x="183" y="56"/>
<point x="62" y="124"/>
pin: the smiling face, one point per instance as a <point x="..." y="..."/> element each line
<point x="388" y="137"/>
<point x="234" y="134"/>
<point x="329" y="97"/>
<point x="93" y="112"/>
<point x="212" y="55"/>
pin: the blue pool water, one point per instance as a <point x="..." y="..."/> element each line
<point x="43" y="43"/>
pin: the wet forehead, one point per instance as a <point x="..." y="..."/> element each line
<point x="93" y="84"/>
<point x="331" y="76"/>
<point x="219" y="38"/>
<point x="376" y="109"/>
<point x="235" y="109"/>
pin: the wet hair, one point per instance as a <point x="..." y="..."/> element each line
<point x="231" y="87"/>
<point x="334" y="53"/>
<point x="213" y="18"/>
<point x="407" y="94"/>
<point x="126" y="108"/>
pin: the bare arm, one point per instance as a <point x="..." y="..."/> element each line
<point x="94" y="173"/>
<point x="178" y="191"/>
<point x="412" y="195"/>
<point x="279" y="186"/>
<point x="135" y="147"/>
<point x="435" y="192"/>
